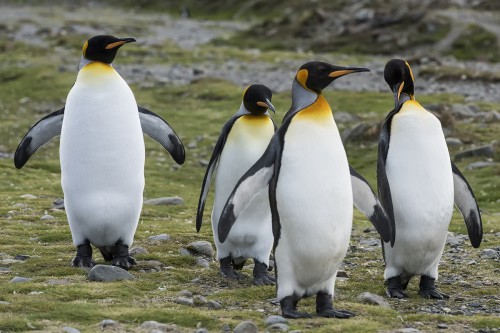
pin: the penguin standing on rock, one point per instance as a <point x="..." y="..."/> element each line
<point x="311" y="188"/>
<point x="242" y="141"/>
<point x="102" y="154"/>
<point x="417" y="185"/>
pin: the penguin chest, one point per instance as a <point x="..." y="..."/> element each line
<point x="245" y="144"/>
<point x="314" y="194"/>
<point x="419" y="173"/>
<point x="102" y="147"/>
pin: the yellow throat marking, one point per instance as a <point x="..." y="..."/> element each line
<point x="319" y="111"/>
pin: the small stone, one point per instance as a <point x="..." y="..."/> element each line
<point x="214" y="305"/>
<point x="199" y="300"/>
<point x="489" y="253"/>
<point x="192" y="145"/>
<point x="108" y="323"/>
<point x="154" y="325"/>
<point x="137" y="250"/>
<point x="20" y="279"/>
<point x="454" y="142"/>
<point x="171" y="201"/>
<point x="57" y="282"/>
<point x="46" y="217"/>
<point x="20" y="205"/>
<point x="342" y="274"/>
<point x="4" y="303"/>
<point x="159" y="238"/>
<point x="184" y="252"/>
<point x="225" y="328"/>
<point x="487" y="151"/>
<point x="407" y="330"/>
<point x="480" y="164"/>
<point x="274" y="319"/>
<point x="186" y="293"/>
<point x="203" y="163"/>
<point x="370" y="298"/>
<point x="106" y="273"/>
<point x="58" y="204"/>
<point x="475" y="305"/>
<point x="201" y="247"/>
<point x="442" y="326"/>
<point x="202" y="262"/>
<point x="4" y="270"/>
<point x="278" y="327"/>
<point x="184" y="300"/>
<point x="68" y="329"/>
<point x="22" y="257"/>
<point x="246" y="327"/>
<point x="29" y="196"/>
<point x="472" y="262"/>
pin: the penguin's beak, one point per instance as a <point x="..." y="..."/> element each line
<point x="397" y="89"/>
<point x="346" y="70"/>
<point x="267" y="104"/>
<point x="119" y="43"/>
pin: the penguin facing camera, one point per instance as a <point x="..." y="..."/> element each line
<point x="102" y="154"/>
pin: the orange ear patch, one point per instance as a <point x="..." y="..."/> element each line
<point x="84" y="49"/>
<point x="302" y="77"/>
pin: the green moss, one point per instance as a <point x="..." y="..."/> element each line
<point x="476" y="43"/>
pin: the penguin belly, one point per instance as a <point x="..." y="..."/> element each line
<point x="251" y="236"/>
<point x="419" y="173"/>
<point x="102" y="158"/>
<point x="315" y="206"/>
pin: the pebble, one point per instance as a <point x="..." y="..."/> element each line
<point x="137" y="250"/>
<point x="246" y="327"/>
<point x="475" y="305"/>
<point x="214" y="305"/>
<point x="274" y="319"/>
<point x="20" y="205"/>
<point x="199" y="300"/>
<point x="171" y="201"/>
<point x="442" y="326"/>
<point x="277" y="328"/>
<point x="202" y="262"/>
<point x="184" y="300"/>
<point x="58" y="203"/>
<point x="454" y="142"/>
<point x="225" y="328"/>
<point x="22" y="257"/>
<point x="4" y="270"/>
<point x="20" y="279"/>
<point x="46" y="217"/>
<point x="107" y="323"/>
<point x="186" y="293"/>
<point x="487" y="151"/>
<point x="4" y="303"/>
<point x="29" y="196"/>
<point x="370" y="298"/>
<point x="154" y="325"/>
<point x="106" y="273"/>
<point x="68" y="329"/>
<point x="407" y="330"/>
<point x="342" y="274"/>
<point x="57" y="282"/>
<point x="201" y="247"/>
<point x="489" y="253"/>
<point x="159" y="238"/>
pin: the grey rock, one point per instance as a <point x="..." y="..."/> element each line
<point x="246" y="327"/>
<point x="225" y="328"/>
<point x="199" y="300"/>
<point x="46" y="217"/>
<point x="29" y="196"/>
<point x="20" y="205"/>
<point x="214" y="305"/>
<point x="203" y="262"/>
<point x="486" y="151"/>
<point x="407" y="330"/>
<point x="442" y="326"/>
<point x="137" y="250"/>
<point x="68" y="329"/>
<point x="489" y="253"/>
<point x="184" y="300"/>
<point x="4" y="303"/>
<point x="4" y="270"/>
<point x="171" y="201"/>
<point x="454" y="240"/>
<point x="454" y="142"/>
<point x="106" y="273"/>
<point x="278" y="327"/>
<point x="58" y="203"/>
<point x="154" y="325"/>
<point x="56" y="282"/>
<point x="108" y="323"/>
<point x="480" y="164"/>
<point x="203" y="163"/>
<point x="463" y="110"/>
<point x="370" y="298"/>
<point x="186" y="293"/>
<point x="20" y="279"/>
<point x="184" y="252"/>
<point x="22" y="257"/>
<point x="274" y="319"/>
<point x="342" y="274"/>
<point x="492" y="116"/>
<point x="192" y="145"/>
<point x="202" y="248"/>
<point x="159" y="238"/>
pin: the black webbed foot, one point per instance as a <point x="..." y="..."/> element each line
<point x="324" y="307"/>
<point x="227" y="270"/>
<point x="121" y="256"/>
<point x="83" y="256"/>
<point x="289" y="308"/>
<point x="394" y="288"/>
<point x="260" y="275"/>
<point x="429" y="290"/>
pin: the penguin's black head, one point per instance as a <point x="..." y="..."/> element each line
<point x="317" y="75"/>
<point x="399" y="77"/>
<point x="257" y="99"/>
<point x="103" y="48"/>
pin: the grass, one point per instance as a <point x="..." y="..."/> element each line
<point x="33" y="85"/>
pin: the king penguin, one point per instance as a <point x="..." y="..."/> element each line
<point x="102" y="154"/>
<point x="417" y="185"/>
<point x="242" y="141"/>
<point x="311" y="189"/>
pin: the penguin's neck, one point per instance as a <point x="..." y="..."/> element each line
<point x="84" y="62"/>
<point x="243" y="111"/>
<point x="301" y="98"/>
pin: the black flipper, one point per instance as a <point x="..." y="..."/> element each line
<point x="159" y="130"/>
<point x="384" y="190"/>
<point x="467" y="204"/>
<point x="366" y="201"/>
<point x="219" y="146"/>
<point x="253" y="181"/>
<point x="39" y="134"/>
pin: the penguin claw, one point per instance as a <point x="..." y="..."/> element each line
<point x="396" y="293"/>
<point x="81" y="261"/>
<point x="332" y="313"/>
<point x="124" y="262"/>
<point x="230" y="273"/>
<point x="433" y="293"/>
<point x="264" y="279"/>
<point x="294" y="314"/>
